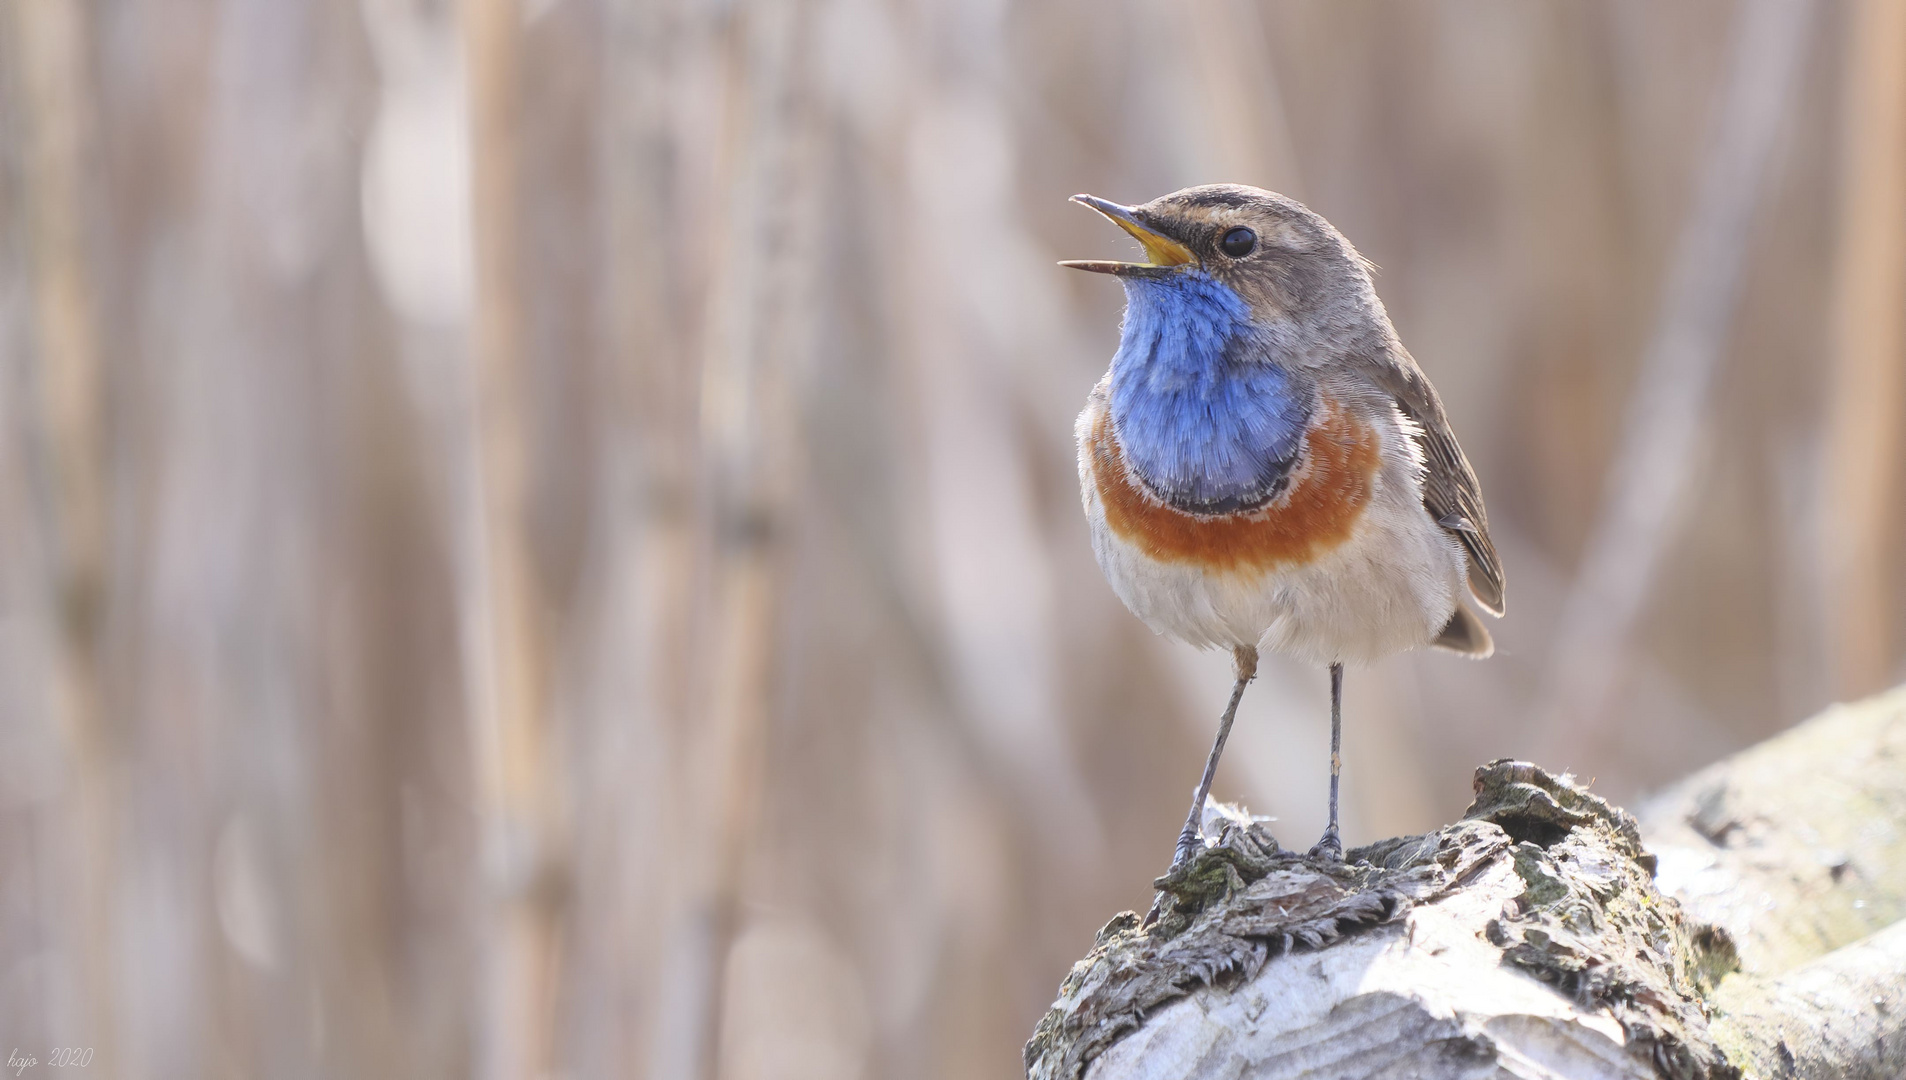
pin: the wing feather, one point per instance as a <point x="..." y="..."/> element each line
<point x="1451" y="493"/>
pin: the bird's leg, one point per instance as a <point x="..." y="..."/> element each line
<point x="1331" y="846"/>
<point x="1244" y="661"/>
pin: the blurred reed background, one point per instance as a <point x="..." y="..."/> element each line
<point x="539" y="537"/>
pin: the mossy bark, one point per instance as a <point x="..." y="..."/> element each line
<point x="1532" y="938"/>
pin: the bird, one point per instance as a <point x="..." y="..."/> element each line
<point x="1264" y="465"/>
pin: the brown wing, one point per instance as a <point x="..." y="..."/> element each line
<point x="1450" y="491"/>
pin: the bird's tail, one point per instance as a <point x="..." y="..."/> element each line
<point x="1465" y="634"/>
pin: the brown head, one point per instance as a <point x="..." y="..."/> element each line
<point x="1293" y="269"/>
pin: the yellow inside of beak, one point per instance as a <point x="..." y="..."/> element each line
<point x="1161" y="250"/>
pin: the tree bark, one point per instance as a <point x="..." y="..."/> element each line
<point x="1534" y="937"/>
<point x="1794" y="851"/>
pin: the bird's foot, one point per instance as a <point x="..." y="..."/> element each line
<point x="1190" y="842"/>
<point x="1330" y="848"/>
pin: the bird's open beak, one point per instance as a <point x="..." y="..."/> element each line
<point x="1164" y="252"/>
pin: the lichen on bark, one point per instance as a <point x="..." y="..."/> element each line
<point x="1591" y="924"/>
<point x="1587" y="924"/>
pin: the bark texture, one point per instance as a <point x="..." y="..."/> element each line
<point x="1533" y="938"/>
<point x="1794" y="853"/>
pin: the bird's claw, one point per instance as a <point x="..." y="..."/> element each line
<point x="1189" y="842"/>
<point x="1330" y="848"/>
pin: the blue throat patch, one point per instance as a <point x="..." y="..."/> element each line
<point x="1205" y="419"/>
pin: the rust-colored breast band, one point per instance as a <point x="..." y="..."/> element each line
<point x="1319" y="511"/>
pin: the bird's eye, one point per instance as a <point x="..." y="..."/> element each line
<point x="1239" y="242"/>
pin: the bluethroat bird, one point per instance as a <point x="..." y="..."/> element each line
<point x="1264" y="465"/>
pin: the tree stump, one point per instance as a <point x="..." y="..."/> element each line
<point x="1534" y="937"/>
